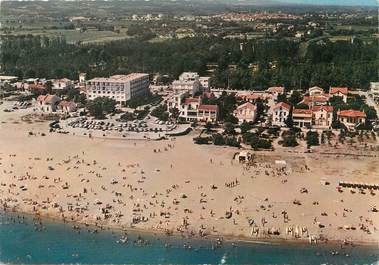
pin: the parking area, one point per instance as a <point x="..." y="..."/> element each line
<point x="149" y="128"/>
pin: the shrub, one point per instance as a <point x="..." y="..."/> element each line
<point x="312" y="138"/>
<point x="202" y="140"/>
<point x="289" y="140"/>
<point x="218" y="139"/>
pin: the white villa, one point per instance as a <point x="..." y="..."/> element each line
<point x="339" y="92"/>
<point x="67" y="106"/>
<point x="61" y="84"/>
<point x="246" y="112"/>
<point x="315" y="91"/>
<point x="302" y="117"/>
<point x="322" y="116"/>
<point x="191" y="109"/>
<point x="351" y="118"/>
<point x="188" y="82"/>
<point x="48" y="103"/>
<point x="280" y="113"/>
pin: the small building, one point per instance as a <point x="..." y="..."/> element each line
<point x="192" y="110"/>
<point x="253" y="97"/>
<point x="48" y="103"/>
<point x="176" y="100"/>
<point x="188" y="110"/>
<point x="67" y="106"/>
<point x="243" y="156"/>
<point x="276" y="91"/>
<point x="302" y="117"/>
<point x="280" y="113"/>
<point x="35" y="88"/>
<point x="374" y="88"/>
<point x="188" y="82"/>
<point x="7" y="79"/>
<point x="322" y="116"/>
<point x="339" y="92"/>
<point x="205" y="82"/>
<point x="351" y="118"/>
<point x="315" y="91"/>
<point x="207" y="113"/>
<point x="62" y="84"/>
<point x="315" y="100"/>
<point x="82" y="78"/>
<point x="246" y="112"/>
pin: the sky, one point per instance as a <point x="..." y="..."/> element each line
<point x="334" y="2"/>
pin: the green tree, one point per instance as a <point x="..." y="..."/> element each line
<point x="312" y="138"/>
<point x="101" y="106"/>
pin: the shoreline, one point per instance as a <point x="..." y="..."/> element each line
<point x="193" y="191"/>
<point x="182" y="236"/>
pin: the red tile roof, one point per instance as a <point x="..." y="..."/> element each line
<point x="335" y="90"/>
<point x="351" y="113"/>
<point x="319" y="99"/>
<point x="316" y="87"/>
<point x="208" y="95"/>
<point x="36" y="87"/>
<point x="65" y="103"/>
<point x="283" y="105"/>
<point x="276" y="89"/>
<point x="208" y="107"/>
<point x="252" y="96"/>
<point x="247" y="105"/>
<point x="302" y="111"/>
<point x="191" y="100"/>
<point x="326" y="108"/>
<point x="48" y="98"/>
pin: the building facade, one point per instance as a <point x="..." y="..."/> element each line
<point x="246" y="112"/>
<point x="339" y="92"/>
<point x="280" y="114"/>
<point x="351" y="118"/>
<point x="302" y="118"/>
<point x="67" y="106"/>
<point x="276" y="91"/>
<point x="374" y="88"/>
<point x="47" y="103"/>
<point x="322" y="116"/>
<point x="315" y="91"/>
<point x="119" y="87"/>
<point x="62" y="84"/>
<point x="188" y="82"/>
<point x="191" y="109"/>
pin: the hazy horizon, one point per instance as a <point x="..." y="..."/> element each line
<point x="263" y="2"/>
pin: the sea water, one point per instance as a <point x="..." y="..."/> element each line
<point x="60" y="243"/>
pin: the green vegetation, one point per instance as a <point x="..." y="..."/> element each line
<point x="354" y="102"/>
<point x="256" y="141"/>
<point x="160" y="112"/>
<point x="312" y="138"/>
<point x="325" y="64"/>
<point x="128" y="116"/>
<point x="144" y="100"/>
<point x="289" y="138"/>
<point x="101" y="106"/>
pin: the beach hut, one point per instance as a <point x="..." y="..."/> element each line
<point x="243" y="156"/>
<point x="280" y="163"/>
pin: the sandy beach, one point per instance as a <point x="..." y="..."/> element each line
<point x="175" y="186"/>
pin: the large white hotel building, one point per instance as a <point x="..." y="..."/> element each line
<point x="118" y="87"/>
